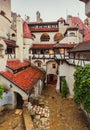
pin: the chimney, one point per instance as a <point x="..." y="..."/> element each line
<point x="69" y="20"/>
<point x="19" y="41"/>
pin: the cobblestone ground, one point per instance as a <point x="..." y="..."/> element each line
<point x="64" y="113"/>
<point x="11" y="121"/>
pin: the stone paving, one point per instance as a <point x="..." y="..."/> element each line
<point x="64" y="113"/>
<point x="11" y="120"/>
<point x="50" y="112"/>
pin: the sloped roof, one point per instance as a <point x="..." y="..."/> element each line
<point x="82" y="47"/>
<point x="26" y="31"/>
<point x="64" y="45"/>
<point x="44" y="29"/>
<point x="52" y="46"/>
<point x="16" y="64"/>
<point x="42" y="46"/>
<point x="77" y="22"/>
<point x="10" y="43"/>
<point x="26" y="78"/>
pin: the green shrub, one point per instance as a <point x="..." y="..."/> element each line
<point x="64" y="90"/>
<point x="1" y="90"/>
<point x="82" y="86"/>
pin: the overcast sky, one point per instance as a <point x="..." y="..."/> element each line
<point x="50" y="10"/>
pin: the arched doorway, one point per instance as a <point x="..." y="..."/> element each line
<point x="51" y="79"/>
<point x="19" y="100"/>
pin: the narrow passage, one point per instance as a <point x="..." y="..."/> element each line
<point x="64" y="113"/>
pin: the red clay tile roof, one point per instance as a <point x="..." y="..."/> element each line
<point x="10" y="43"/>
<point x="65" y="45"/>
<point x="42" y="46"/>
<point x="16" y="64"/>
<point x="26" y="31"/>
<point x="77" y="22"/>
<point x="25" y="79"/>
<point x="51" y="46"/>
<point x="44" y="29"/>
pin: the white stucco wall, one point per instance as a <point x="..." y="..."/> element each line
<point x="50" y="69"/>
<point x="5" y="5"/>
<point x="68" y="71"/>
<point x="72" y="39"/>
<point x="4" y="27"/>
<point x="38" y="36"/>
<point x="3" y="59"/>
<point x="14" y="88"/>
<point x="62" y="28"/>
<point x="27" y="45"/>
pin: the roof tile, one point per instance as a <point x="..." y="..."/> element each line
<point x="26" y="31"/>
<point x="25" y="79"/>
<point x="16" y="64"/>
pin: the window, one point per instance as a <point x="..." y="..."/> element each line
<point x="53" y="66"/>
<point x="58" y="36"/>
<point x="45" y="37"/>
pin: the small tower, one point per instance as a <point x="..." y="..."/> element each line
<point x="38" y="18"/>
<point x="27" y="36"/>
<point x="69" y="20"/>
<point x="19" y="40"/>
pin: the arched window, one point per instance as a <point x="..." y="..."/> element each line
<point x="45" y="37"/>
<point x="13" y="35"/>
<point x="58" y="36"/>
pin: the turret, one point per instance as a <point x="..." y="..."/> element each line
<point x="38" y="18"/>
<point x="19" y="40"/>
<point x="27" y="40"/>
<point x="69" y="20"/>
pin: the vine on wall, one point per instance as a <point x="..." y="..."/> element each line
<point x="64" y="89"/>
<point x="82" y="86"/>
